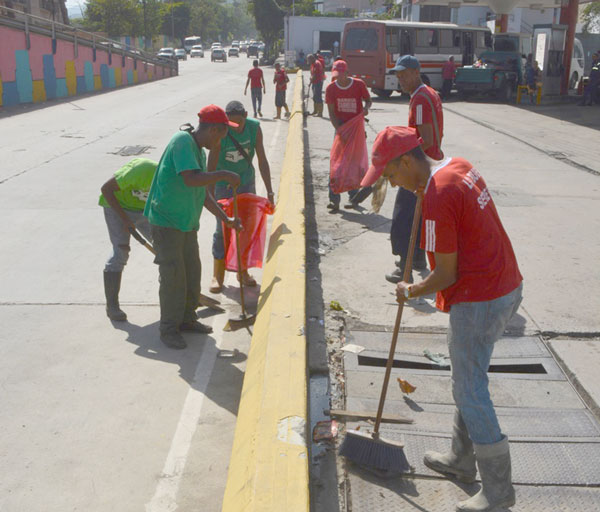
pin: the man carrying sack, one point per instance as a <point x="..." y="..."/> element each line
<point x="477" y="280"/>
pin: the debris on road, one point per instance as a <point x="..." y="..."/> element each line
<point x="325" y="430"/>
<point x="406" y="386"/>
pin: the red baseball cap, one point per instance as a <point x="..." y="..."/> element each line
<point x="212" y="114"/>
<point x="390" y="143"/>
<point x="339" y="66"/>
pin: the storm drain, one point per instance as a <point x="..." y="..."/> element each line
<point x="555" y="440"/>
<point x="132" y="150"/>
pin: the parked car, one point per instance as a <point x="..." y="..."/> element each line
<point x="166" y="53"/>
<point x="218" y="54"/>
<point x="180" y="54"/>
<point x="495" y="73"/>
<point x="233" y="52"/>
<point x="252" y="51"/>
<point x="197" y="51"/>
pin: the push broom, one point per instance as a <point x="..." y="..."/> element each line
<point x="244" y="320"/>
<point x="205" y="301"/>
<point x="369" y="449"/>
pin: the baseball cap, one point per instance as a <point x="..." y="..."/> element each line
<point x="406" y="62"/>
<point x="390" y="143"/>
<point x="339" y="66"/>
<point x="235" y="107"/>
<point x="212" y="114"/>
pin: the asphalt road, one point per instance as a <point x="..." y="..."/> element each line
<point x="96" y="416"/>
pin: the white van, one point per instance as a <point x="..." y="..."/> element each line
<point x="577" y="64"/>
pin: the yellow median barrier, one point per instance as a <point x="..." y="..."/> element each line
<point x="268" y="470"/>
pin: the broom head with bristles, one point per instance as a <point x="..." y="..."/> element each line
<point x="375" y="453"/>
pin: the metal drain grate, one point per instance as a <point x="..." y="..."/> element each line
<point x="132" y="150"/>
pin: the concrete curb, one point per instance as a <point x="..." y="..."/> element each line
<point x="268" y="469"/>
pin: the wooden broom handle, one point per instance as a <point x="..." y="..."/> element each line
<point x="239" y="255"/>
<point x="405" y="277"/>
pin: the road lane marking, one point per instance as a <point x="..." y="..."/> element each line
<point x="165" y="496"/>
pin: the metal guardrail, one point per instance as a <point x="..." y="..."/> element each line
<point x="56" y="30"/>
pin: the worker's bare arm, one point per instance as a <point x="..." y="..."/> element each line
<point x="443" y="276"/>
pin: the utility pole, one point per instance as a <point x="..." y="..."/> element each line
<point x="172" y="23"/>
<point x="145" y="25"/>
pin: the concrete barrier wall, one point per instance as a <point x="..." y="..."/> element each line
<point x="268" y="470"/>
<point x="57" y="68"/>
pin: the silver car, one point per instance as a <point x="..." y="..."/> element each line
<point x="197" y="51"/>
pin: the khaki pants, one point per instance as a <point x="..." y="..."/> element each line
<point x="178" y="260"/>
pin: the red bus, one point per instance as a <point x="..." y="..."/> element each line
<point x="371" y="48"/>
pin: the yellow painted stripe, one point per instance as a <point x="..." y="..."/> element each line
<point x="118" y="80"/>
<point x="268" y="470"/>
<point x="71" y="77"/>
<point x="97" y="82"/>
<point x="39" y="91"/>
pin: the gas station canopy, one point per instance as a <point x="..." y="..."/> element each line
<point x="498" y="6"/>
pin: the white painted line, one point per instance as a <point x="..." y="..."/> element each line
<point x="165" y="496"/>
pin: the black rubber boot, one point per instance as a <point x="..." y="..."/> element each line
<point x="112" y="285"/>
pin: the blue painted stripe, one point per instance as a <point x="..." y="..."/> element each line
<point x="10" y="94"/>
<point x="23" y="76"/>
<point x="104" y="76"/>
<point x="81" y="86"/>
<point x="130" y="76"/>
<point x="49" y="76"/>
<point x="88" y="73"/>
<point x="112" y="82"/>
<point x="61" y="88"/>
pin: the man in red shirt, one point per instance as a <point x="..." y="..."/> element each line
<point x="425" y="114"/>
<point x="344" y="97"/>
<point x="257" y="87"/>
<point x="448" y="72"/>
<point x="477" y="280"/>
<point x="317" y="75"/>
<point x="280" y="80"/>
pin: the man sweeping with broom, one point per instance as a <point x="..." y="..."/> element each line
<point x="477" y="280"/>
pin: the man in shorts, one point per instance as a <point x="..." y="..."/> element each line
<point x="280" y="80"/>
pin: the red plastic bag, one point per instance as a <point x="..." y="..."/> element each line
<point x="253" y="211"/>
<point x="349" y="158"/>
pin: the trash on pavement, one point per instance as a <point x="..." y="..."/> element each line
<point x="351" y="347"/>
<point x="325" y="430"/>
<point x="335" y="305"/>
<point x="406" y="386"/>
<point x="438" y="358"/>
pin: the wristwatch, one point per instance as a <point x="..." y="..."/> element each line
<point x="407" y="294"/>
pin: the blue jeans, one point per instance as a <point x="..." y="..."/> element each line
<point x="474" y="328"/>
<point x="402" y="219"/>
<point x="225" y="192"/>
<point x="256" y="94"/>
<point x="119" y="236"/>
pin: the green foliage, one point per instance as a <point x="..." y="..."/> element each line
<point x="114" y="17"/>
<point x="590" y="17"/>
<point x="176" y="20"/>
<point x="268" y="17"/>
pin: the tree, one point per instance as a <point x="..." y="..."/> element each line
<point x="176" y="19"/>
<point x="114" y="17"/>
<point x="590" y="16"/>
<point x="268" y="17"/>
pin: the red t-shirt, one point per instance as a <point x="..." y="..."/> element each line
<point x="459" y="216"/>
<point x="421" y="112"/>
<point x="316" y="72"/>
<point x="280" y="80"/>
<point x="347" y="102"/>
<point x="255" y="74"/>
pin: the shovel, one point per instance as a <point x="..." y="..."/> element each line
<point x="203" y="299"/>
<point x="244" y="320"/>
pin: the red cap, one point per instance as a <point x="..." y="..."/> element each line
<point x="339" y="66"/>
<point x="212" y="114"/>
<point x="390" y="143"/>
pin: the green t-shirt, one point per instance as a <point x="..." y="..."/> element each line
<point x="230" y="159"/>
<point x="134" y="180"/>
<point x="171" y="203"/>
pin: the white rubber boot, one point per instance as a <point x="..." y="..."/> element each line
<point x="497" y="492"/>
<point x="460" y="461"/>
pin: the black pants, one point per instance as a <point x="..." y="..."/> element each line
<point x="402" y="219"/>
<point x="446" y="88"/>
<point x="178" y="260"/>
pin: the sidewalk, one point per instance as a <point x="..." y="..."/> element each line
<point x="549" y="207"/>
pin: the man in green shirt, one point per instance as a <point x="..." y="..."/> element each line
<point x="124" y="198"/>
<point x="173" y="209"/>
<point x="247" y="136"/>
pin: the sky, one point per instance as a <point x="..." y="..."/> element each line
<point x="73" y="7"/>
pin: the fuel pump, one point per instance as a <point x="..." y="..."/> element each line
<point x="548" y="50"/>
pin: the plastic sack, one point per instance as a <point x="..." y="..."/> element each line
<point x="349" y="158"/>
<point x="253" y="211"/>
